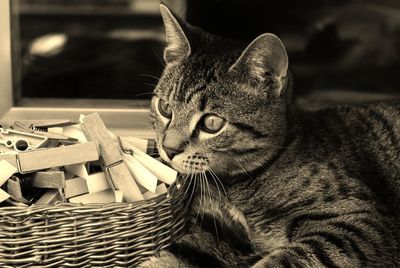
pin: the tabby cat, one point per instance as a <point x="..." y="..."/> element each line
<point x="272" y="186"/>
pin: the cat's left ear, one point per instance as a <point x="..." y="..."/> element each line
<point x="178" y="46"/>
<point x="264" y="60"/>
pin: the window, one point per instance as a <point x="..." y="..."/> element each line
<point x="61" y="58"/>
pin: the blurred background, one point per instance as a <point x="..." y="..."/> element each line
<point x="340" y="51"/>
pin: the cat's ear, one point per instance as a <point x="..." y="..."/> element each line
<point x="178" y="47"/>
<point x="264" y="61"/>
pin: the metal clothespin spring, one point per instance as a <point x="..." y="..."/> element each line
<point x="125" y="150"/>
<point x="19" y="165"/>
<point x="107" y="169"/>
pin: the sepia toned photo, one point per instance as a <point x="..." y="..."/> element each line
<point x="184" y="133"/>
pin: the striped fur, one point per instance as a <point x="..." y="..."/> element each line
<point x="277" y="187"/>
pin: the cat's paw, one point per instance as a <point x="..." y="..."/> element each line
<point x="163" y="260"/>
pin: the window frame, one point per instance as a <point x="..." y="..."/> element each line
<point x="122" y="117"/>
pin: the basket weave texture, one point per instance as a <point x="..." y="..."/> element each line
<point x="95" y="235"/>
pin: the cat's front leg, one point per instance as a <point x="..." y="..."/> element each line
<point x="357" y="237"/>
<point x="296" y="255"/>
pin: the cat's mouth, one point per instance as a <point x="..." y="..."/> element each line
<point x="189" y="164"/>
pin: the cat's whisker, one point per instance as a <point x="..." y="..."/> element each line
<point x="185" y="181"/>
<point x="203" y="174"/>
<point x="149" y="84"/>
<point x="193" y="189"/>
<point x="217" y="178"/>
<point x="159" y="58"/>
<point x="145" y="94"/>
<point x="200" y="198"/>
<point x="211" y="207"/>
<point x="149" y="75"/>
<point x="241" y="167"/>
<point x="203" y="195"/>
<point x="218" y="190"/>
<point x="186" y="192"/>
<point x="181" y="179"/>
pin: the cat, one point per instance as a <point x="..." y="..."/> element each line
<point x="270" y="185"/>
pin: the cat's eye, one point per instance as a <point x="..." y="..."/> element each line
<point x="165" y="108"/>
<point x="212" y="123"/>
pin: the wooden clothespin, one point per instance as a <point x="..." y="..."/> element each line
<point x="97" y="182"/>
<point x="76" y="132"/>
<point x="105" y="196"/>
<point x="142" y="175"/>
<point x="78" y="170"/>
<point x="161" y="189"/>
<point x="51" y="196"/>
<point x="3" y="195"/>
<point x="112" y="162"/>
<point x="14" y="189"/>
<point x="54" y="157"/>
<point x="48" y="179"/>
<point x="75" y="186"/>
<point x="20" y="190"/>
<point x="6" y="171"/>
<point x="161" y="171"/>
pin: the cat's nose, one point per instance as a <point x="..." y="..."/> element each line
<point x="171" y="152"/>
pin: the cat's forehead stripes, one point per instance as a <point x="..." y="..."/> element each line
<point x="175" y="89"/>
<point x="192" y="91"/>
<point x="191" y="80"/>
<point x="202" y="102"/>
<point x="193" y="122"/>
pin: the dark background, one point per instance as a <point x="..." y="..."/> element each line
<point x="339" y="51"/>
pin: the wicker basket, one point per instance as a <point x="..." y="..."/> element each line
<point x="96" y="235"/>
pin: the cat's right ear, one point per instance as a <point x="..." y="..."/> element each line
<point x="178" y="47"/>
<point x="264" y="61"/>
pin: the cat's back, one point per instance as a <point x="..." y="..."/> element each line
<point x="371" y="129"/>
<point x="371" y="133"/>
<point x="373" y="123"/>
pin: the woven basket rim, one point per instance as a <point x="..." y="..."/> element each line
<point x="65" y="206"/>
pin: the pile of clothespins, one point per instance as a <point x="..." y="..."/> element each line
<point x="50" y="161"/>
